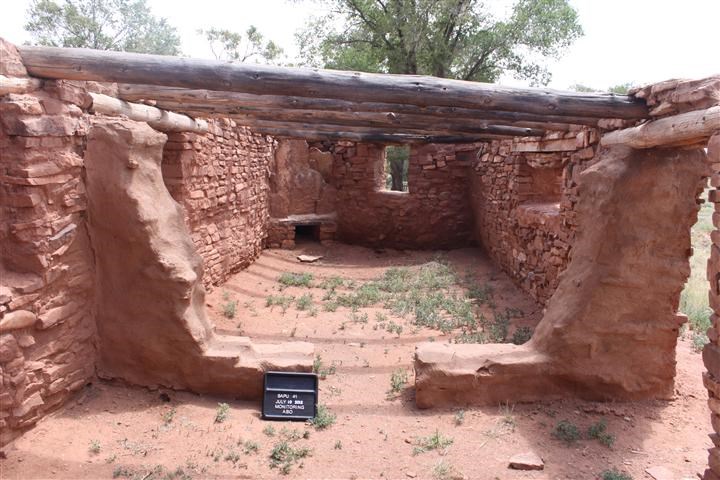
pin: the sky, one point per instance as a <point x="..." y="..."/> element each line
<point x="626" y="41"/>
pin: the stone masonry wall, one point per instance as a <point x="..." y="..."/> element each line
<point x="711" y="352"/>
<point x="221" y="178"/>
<point x="434" y="213"/>
<point x="524" y="193"/>
<point x="47" y="330"/>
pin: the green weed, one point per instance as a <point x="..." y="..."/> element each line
<point x="289" y="279"/>
<point x="229" y="309"/>
<point x="436" y="441"/>
<point x="323" y="418"/>
<point x="304" y="302"/>
<point x="567" y="431"/>
<point x="615" y="475"/>
<point x="222" y="412"/>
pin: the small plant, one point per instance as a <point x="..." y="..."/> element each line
<point x="323" y="418"/>
<point x="283" y="456"/>
<point x="111" y="458"/>
<point x="481" y="293"/>
<point x="269" y="430"/>
<point x="331" y="305"/>
<point x="393" y="327"/>
<point x="304" y="302"/>
<point x="289" y="279"/>
<point x="508" y="417"/>
<point x="250" y="446"/>
<point x="94" y="447"/>
<point x="699" y="340"/>
<point x="614" y="475"/>
<point x="355" y="317"/>
<point x="459" y="417"/>
<point x="232" y="456"/>
<point x="283" y="301"/>
<point x="566" y="431"/>
<point x="229" y="309"/>
<point x="598" y="431"/>
<point x="169" y="416"/>
<point x="221" y="413"/>
<point x="445" y="471"/>
<point x="468" y="336"/>
<point x="123" y="472"/>
<point x="321" y="370"/>
<point x="398" y="380"/>
<point x="436" y="441"/>
<point x="338" y="445"/>
<point x="380" y="317"/>
<point x="331" y="283"/>
<point x="521" y="335"/>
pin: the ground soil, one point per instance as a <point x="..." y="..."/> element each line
<point x="112" y="430"/>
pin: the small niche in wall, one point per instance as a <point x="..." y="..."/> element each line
<point x="540" y="183"/>
<point x="396" y="162"/>
<point x="307" y="233"/>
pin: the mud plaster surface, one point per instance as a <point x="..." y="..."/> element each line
<point x="374" y="432"/>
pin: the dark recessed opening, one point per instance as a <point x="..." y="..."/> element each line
<point x="307" y="233"/>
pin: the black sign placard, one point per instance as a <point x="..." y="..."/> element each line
<point x="289" y="396"/>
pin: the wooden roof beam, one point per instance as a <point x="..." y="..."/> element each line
<point x="107" y="66"/>
<point x="233" y="102"/>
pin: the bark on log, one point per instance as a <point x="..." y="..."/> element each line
<point x="684" y="129"/>
<point x="208" y="101"/>
<point x="123" y="67"/>
<point x="155" y="117"/>
<point x="384" y="138"/>
<point x="366" y="119"/>
<point x="18" y="84"/>
<point x="507" y="132"/>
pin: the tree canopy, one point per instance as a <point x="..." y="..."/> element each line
<point x="236" y="47"/>
<point x="463" y="39"/>
<point x="125" y="25"/>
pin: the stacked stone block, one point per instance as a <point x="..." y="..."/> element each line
<point x="221" y="179"/>
<point x="47" y="331"/>
<point x="711" y="352"/>
<point x="434" y="213"/>
<point x="526" y="224"/>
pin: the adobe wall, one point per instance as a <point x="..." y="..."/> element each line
<point x="434" y="213"/>
<point x="524" y="193"/>
<point x="47" y="330"/>
<point x="221" y="179"/>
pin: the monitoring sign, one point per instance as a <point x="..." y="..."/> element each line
<point x="289" y="396"/>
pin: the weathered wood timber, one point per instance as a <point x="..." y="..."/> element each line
<point x="155" y="117"/>
<point x="387" y="118"/>
<point x="18" y="84"/>
<point x="385" y="138"/>
<point x="683" y="129"/>
<point x="349" y="127"/>
<point x="209" y="101"/>
<point x="105" y="66"/>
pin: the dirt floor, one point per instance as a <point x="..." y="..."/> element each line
<point x="113" y="431"/>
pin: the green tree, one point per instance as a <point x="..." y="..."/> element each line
<point x="461" y="39"/>
<point x="236" y="47"/>
<point x="124" y="25"/>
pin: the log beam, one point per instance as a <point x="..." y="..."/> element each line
<point x="221" y="103"/>
<point x="368" y="119"/>
<point x="506" y="132"/>
<point x="18" y="84"/>
<point x="123" y="67"/>
<point x="384" y="138"/>
<point x="689" y="128"/>
<point x="158" y="119"/>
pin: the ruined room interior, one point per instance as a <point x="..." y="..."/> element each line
<point x="142" y="195"/>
